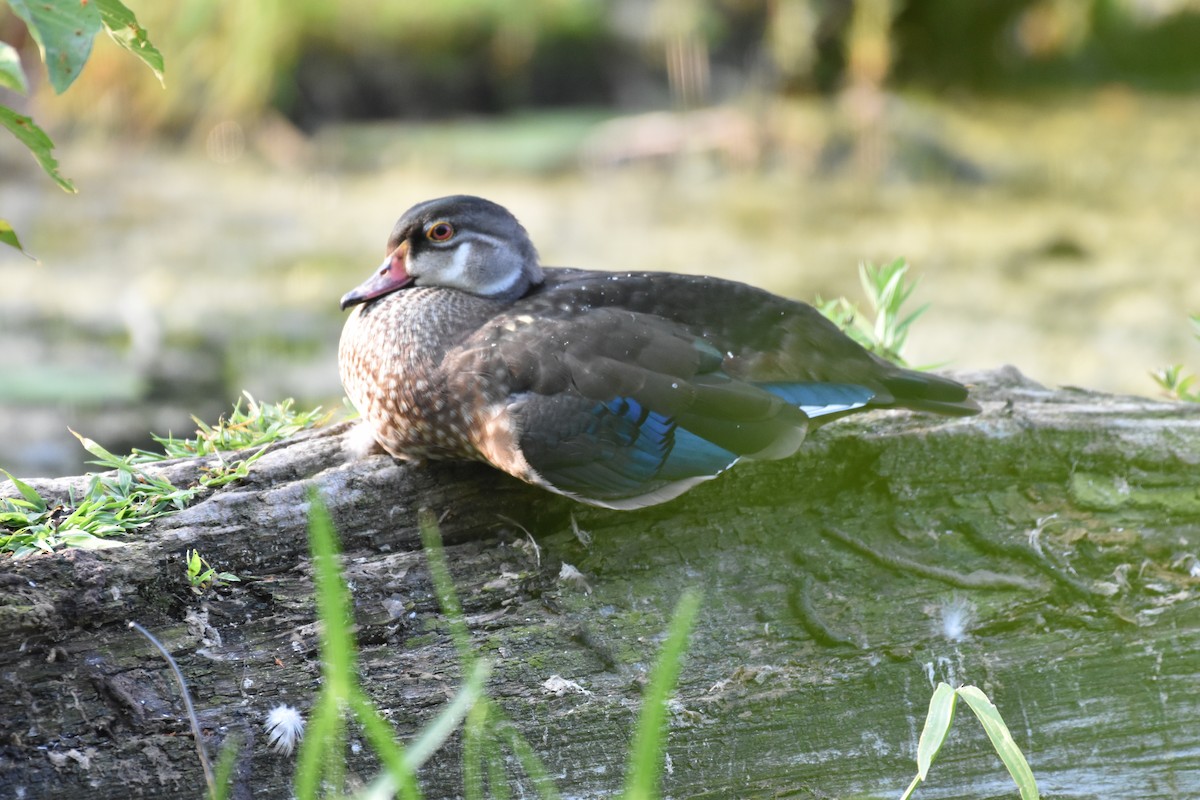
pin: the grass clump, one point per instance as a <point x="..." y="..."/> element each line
<point x="487" y="731"/>
<point x="259" y="425"/>
<point x="133" y="496"/>
<point x="203" y="576"/>
<point x="1175" y="380"/>
<point x="888" y="288"/>
<point x="110" y="505"/>
<point x="322" y="758"/>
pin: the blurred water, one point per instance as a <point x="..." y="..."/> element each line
<point x="1059" y="237"/>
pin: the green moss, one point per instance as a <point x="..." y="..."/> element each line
<point x="424" y="639"/>
<point x="1099" y="492"/>
<point x="1173" y="500"/>
<point x="1110" y="493"/>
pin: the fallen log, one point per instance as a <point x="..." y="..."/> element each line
<point x="1047" y="551"/>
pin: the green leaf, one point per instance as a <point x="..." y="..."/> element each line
<point x="124" y="29"/>
<point x="11" y="74"/>
<point x="1002" y="740"/>
<point x="937" y="725"/>
<point x="193" y="564"/>
<point x="38" y="143"/>
<point x="107" y="459"/>
<point x="64" y="31"/>
<point x="27" y="491"/>
<point x="9" y="237"/>
<point x="86" y="541"/>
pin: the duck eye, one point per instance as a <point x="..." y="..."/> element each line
<point x="440" y="232"/>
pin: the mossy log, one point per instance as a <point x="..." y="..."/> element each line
<point x="1046" y="551"/>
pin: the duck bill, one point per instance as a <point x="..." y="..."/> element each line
<point x="391" y="275"/>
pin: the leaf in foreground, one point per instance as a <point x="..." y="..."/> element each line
<point x="33" y="137"/>
<point x="1002" y="740"/>
<point x="937" y="725"/>
<point x="320" y="753"/>
<point x="64" y="31"/>
<point x="124" y="29"/>
<point x="8" y="236"/>
<point x="11" y="74"/>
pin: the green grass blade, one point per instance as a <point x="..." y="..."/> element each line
<point x="322" y="740"/>
<point x="1002" y="740"/>
<point x="224" y="769"/>
<point x="868" y="279"/>
<point x="434" y="735"/>
<point x="443" y="586"/>
<point x="321" y="752"/>
<point x="525" y="754"/>
<point x="86" y="541"/>
<point x="906" y="323"/>
<point x="104" y="457"/>
<point x="645" y="756"/>
<point x="333" y="600"/>
<point x="384" y="743"/>
<point x="937" y="725"/>
<point x="27" y="491"/>
<point x="493" y="758"/>
<point x="321" y="756"/>
<point x="892" y="292"/>
<point x="474" y="732"/>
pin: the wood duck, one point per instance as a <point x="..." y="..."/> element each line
<point x="619" y="390"/>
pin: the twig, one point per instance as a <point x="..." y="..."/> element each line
<point x="187" y="704"/>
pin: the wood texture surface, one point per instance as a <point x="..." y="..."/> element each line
<point x="1047" y="551"/>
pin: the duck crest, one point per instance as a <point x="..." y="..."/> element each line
<point x="618" y="390"/>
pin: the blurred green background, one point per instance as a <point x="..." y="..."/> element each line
<point x="1035" y="160"/>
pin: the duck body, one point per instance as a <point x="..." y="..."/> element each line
<point x="620" y="390"/>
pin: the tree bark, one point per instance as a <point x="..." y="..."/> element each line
<point x="1046" y="551"/>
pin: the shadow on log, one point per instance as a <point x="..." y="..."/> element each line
<point x="1046" y="551"/>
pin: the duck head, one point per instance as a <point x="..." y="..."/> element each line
<point x="458" y="242"/>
